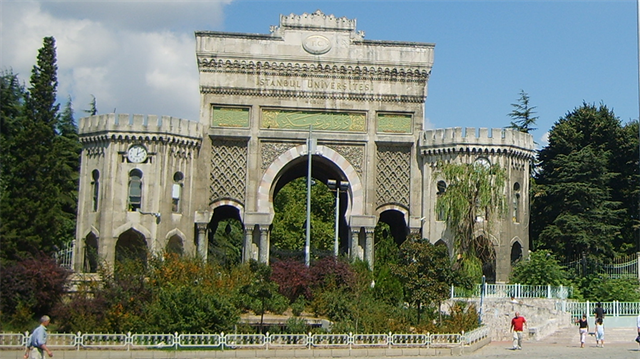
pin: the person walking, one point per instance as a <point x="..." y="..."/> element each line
<point x="38" y="340"/>
<point x="584" y="329"/>
<point x="599" y="312"/>
<point x="638" y="325"/>
<point x="599" y="333"/>
<point x="517" y="326"/>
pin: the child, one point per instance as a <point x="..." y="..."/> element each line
<point x="599" y="333"/>
<point x="584" y="329"/>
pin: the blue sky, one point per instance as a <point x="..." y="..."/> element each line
<point x="139" y="58"/>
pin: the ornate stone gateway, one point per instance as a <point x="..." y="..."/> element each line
<point x="262" y="97"/>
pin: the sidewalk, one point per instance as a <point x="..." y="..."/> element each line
<point x="541" y="350"/>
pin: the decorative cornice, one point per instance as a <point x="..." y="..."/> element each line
<point x="139" y="137"/>
<point x="478" y="150"/>
<point x="311" y="95"/>
<point x="372" y="72"/>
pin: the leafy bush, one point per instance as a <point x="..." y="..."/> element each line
<point x="32" y="285"/>
<point x="190" y="309"/>
<point x="596" y="288"/>
<point x="296" y="326"/>
<point x="293" y="279"/>
<point x="331" y="272"/>
<point x="541" y="269"/>
<point x="297" y="307"/>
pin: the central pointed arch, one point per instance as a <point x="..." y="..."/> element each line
<point x="270" y="177"/>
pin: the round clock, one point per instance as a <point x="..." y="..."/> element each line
<point x="483" y="161"/>
<point x="137" y="154"/>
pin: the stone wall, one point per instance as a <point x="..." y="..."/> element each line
<point x="542" y="317"/>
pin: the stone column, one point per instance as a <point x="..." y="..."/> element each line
<point x="354" y="248"/>
<point x="264" y="244"/>
<point x="203" y="242"/>
<point x="247" y="248"/>
<point x="369" y="252"/>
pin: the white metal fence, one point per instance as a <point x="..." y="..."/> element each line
<point x="515" y="290"/>
<point x="245" y="341"/>
<point x="613" y="309"/>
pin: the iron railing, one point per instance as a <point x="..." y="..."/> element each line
<point x="244" y="341"/>
<point x="613" y="309"/>
<point x="515" y="290"/>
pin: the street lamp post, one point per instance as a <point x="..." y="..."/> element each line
<point x="311" y="147"/>
<point x="337" y="186"/>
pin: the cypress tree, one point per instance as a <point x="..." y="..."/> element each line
<point x="31" y="192"/>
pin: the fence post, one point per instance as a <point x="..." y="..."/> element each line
<point x="548" y="291"/>
<point x="451" y="291"/>
<point x="638" y="264"/>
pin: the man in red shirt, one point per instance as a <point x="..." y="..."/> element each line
<point x="517" y="325"/>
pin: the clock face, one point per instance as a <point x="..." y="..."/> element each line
<point x="137" y="154"/>
<point x="484" y="162"/>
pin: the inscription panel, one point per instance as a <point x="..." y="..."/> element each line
<point x="302" y="120"/>
<point x="230" y="117"/>
<point x="394" y="123"/>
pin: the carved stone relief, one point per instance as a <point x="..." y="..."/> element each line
<point x="228" y="170"/>
<point x="393" y="174"/>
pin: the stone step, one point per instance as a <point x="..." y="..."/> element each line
<point x="571" y="335"/>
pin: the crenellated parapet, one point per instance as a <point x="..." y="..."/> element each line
<point x="125" y="127"/>
<point x="472" y="140"/>
<point x="317" y="20"/>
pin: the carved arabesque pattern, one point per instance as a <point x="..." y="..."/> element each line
<point x="228" y="170"/>
<point x="393" y="175"/>
<point x="353" y="154"/>
<point x="271" y="150"/>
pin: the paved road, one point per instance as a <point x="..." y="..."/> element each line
<point x="562" y="351"/>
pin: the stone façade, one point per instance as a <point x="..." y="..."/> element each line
<point x="262" y="96"/>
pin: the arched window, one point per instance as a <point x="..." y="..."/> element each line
<point x="516" y="202"/>
<point x="95" y="189"/>
<point x="135" y="189"/>
<point x="442" y="188"/>
<point x="176" y="192"/>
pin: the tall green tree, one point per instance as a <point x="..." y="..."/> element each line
<point x="574" y="212"/>
<point x="67" y="147"/>
<point x="522" y="115"/>
<point x="474" y="190"/>
<point x="426" y="273"/>
<point x="12" y="94"/>
<point x="40" y="163"/>
<point x="290" y="215"/>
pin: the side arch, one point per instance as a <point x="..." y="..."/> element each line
<point x="270" y="176"/>
<point x="229" y="202"/>
<point x="94" y="231"/>
<point x="394" y="207"/>
<point x="125" y="227"/>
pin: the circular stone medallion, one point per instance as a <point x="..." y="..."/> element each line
<point x="316" y="44"/>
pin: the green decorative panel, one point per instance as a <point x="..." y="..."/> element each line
<point x="230" y="117"/>
<point x="394" y="123"/>
<point x="334" y="121"/>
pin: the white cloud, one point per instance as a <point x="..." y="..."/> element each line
<point x="132" y="56"/>
<point x="543" y="141"/>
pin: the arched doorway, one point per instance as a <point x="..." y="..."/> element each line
<point x="225" y="237"/>
<point x="516" y="253"/>
<point x="289" y="193"/>
<point x="486" y="253"/>
<point x="90" y="253"/>
<point x="397" y="225"/>
<point x="175" y="245"/>
<point x="132" y="246"/>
